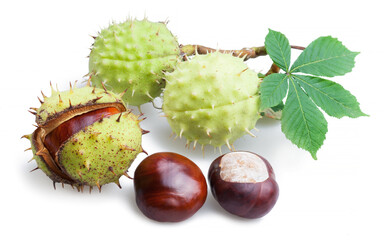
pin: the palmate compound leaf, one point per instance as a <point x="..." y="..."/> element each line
<point x="330" y="96"/>
<point x="302" y="122"/>
<point x="326" y="56"/>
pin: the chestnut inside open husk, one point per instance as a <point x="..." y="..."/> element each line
<point x="169" y="187"/>
<point x="84" y="137"/>
<point x="65" y="130"/>
<point x="244" y="184"/>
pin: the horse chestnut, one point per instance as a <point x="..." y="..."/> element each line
<point x="244" y="184"/>
<point x="169" y="187"/>
<point x="84" y="137"/>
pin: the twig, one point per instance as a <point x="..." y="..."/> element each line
<point x="274" y="69"/>
<point x="247" y="53"/>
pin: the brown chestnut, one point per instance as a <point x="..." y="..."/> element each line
<point x="169" y="187"/>
<point x="244" y="184"/>
<point x="54" y="140"/>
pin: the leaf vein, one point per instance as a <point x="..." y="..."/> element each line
<point x="320" y="60"/>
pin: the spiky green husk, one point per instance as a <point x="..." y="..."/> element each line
<point x="103" y="151"/>
<point x="212" y="99"/>
<point x="60" y="102"/>
<point x="133" y="56"/>
<point x="96" y="155"/>
<point x="42" y="165"/>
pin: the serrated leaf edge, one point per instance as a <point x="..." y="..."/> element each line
<point x="321" y="60"/>
<point x="263" y="107"/>
<point x="306" y="82"/>
<point x="286" y="67"/>
<point x="313" y="153"/>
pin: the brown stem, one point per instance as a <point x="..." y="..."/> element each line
<point x="247" y="53"/>
<point x="297" y="47"/>
<point x="274" y="69"/>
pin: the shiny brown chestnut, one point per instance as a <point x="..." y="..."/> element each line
<point x="244" y="184"/>
<point x="169" y="187"/>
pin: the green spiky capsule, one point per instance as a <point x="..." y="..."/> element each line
<point x="212" y="99"/>
<point x="132" y="56"/>
<point x="85" y="137"/>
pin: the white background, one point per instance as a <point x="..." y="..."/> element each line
<point x="339" y="196"/>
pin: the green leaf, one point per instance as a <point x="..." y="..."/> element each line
<point x="278" y="49"/>
<point x="330" y="96"/>
<point x="278" y="107"/>
<point x="273" y="89"/>
<point x="302" y="122"/>
<point x="326" y="56"/>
